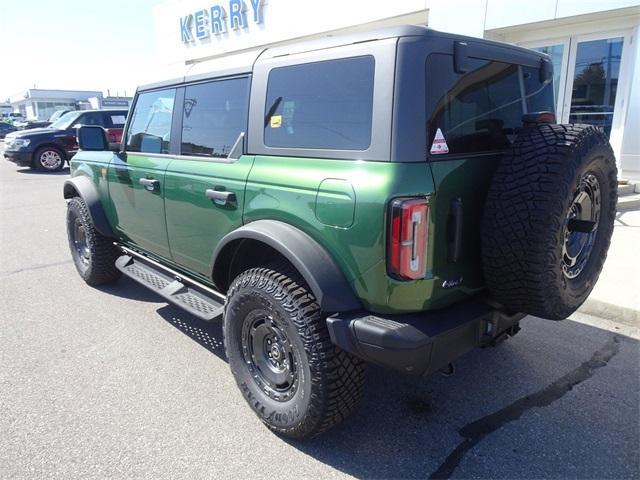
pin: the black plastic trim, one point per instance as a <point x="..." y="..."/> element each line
<point x="454" y="230"/>
<point x="83" y="187"/>
<point x="419" y="343"/>
<point x="317" y="267"/>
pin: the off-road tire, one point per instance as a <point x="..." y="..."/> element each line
<point x="98" y="267"/>
<point x="330" y="381"/>
<point x="37" y="162"/>
<point x="526" y="218"/>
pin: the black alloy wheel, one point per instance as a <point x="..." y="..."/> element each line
<point x="269" y="355"/>
<point x="581" y="226"/>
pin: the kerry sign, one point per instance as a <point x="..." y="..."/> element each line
<point x="218" y="19"/>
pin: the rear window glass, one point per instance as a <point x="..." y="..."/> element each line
<point x="114" y="119"/>
<point x="481" y="110"/>
<point x="214" y="115"/>
<point x="322" y="105"/>
<point x="91" y="118"/>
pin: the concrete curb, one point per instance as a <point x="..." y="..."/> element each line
<point x="610" y="311"/>
<point x="628" y="202"/>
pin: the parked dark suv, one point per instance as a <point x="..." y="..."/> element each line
<point x="48" y="148"/>
<point x="6" y="128"/>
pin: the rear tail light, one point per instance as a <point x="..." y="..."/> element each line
<point x="111" y="135"/>
<point x="407" y="255"/>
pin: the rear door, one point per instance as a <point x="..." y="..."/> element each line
<point x="204" y="185"/>
<point x="473" y="117"/>
<point x="136" y="178"/>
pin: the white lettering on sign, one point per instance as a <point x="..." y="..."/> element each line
<point x="439" y="144"/>
<point x="216" y="19"/>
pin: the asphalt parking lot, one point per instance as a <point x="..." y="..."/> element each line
<point x="113" y="382"/>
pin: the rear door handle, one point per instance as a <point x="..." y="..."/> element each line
<point x="150" y="184"/>
<point x="220" y="197"/>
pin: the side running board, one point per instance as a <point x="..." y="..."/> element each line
<point x="196" y="299"/>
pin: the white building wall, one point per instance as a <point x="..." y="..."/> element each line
<point x="504" y="20"/>
<point x="631" y="140"/>
<point x="280" y="20"/>
<point x="507" y="13"/>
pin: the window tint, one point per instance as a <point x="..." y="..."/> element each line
<point x="150" y="127"/>
<point x="115" y="119"/>
<point x="214" y="115"/>
<point x="321" y="105"/>
<point x="90" y="118"/>
<point x="481" y="110"/>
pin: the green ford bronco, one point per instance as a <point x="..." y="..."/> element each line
<point x="397" y="197"/>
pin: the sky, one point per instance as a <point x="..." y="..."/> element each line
<point x="75" y="44"/>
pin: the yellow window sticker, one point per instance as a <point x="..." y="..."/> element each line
<point x="276" y="121"/>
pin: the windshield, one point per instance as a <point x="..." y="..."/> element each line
<point x="56" y="115"/>
<point x="65" y="121"/>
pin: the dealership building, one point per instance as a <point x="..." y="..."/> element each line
<point x="40" y="104"/>
<point x="593" y="44"/>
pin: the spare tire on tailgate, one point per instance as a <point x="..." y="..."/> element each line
<point x="548" y="219"/>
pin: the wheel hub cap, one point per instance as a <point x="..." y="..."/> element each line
<point x="80" y="241"/>
<point x="269" y="356"/>
<point x="50" y="159"/>
<point x="581" y="226"/>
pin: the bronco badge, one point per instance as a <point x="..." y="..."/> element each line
<point x="452" y="282"/>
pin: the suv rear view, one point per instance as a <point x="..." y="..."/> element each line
<point x="396" y="197"/>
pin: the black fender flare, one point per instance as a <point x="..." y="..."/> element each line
<point x="309" y="258"/>
<point x="82" y="186"/>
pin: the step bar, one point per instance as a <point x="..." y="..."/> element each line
<point x="190" y="295"/>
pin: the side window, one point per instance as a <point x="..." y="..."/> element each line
<point x="214" y="115"/>
<point x="90" y="118"/>
<point x="150" y="127"/>
<point x="481" y="110"/>
<point x="115" y="119"/>
<point x="321" y="105"/>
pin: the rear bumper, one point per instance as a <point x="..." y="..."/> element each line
<point x="419" y="343"/>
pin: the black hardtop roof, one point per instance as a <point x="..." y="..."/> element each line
<point x="243" y="61"/>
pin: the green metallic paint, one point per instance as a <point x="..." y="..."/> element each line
<point x="92" y="165"/>
<point x="195" y="223"/>
<point x="342" y="204"/>
<point x="139" y="213"/>
<point x="335" y="203"/>
<point x="467" y="179"/>
<point x="284" y="188"/>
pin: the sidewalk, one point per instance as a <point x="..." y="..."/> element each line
<point x="616" y="296"/>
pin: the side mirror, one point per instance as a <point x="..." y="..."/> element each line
<point x="92" y="138"/>
<point x="151" y="144"/>
<point x="546" y="71"/>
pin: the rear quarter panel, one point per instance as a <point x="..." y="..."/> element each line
<point x="291" y="189"/>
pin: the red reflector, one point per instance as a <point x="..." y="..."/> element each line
<point x="407" y="254"/>
<point x="537" y="118"/>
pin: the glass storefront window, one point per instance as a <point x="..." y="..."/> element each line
<point x="595" y="82"/>
<point x="46" y="109"/>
